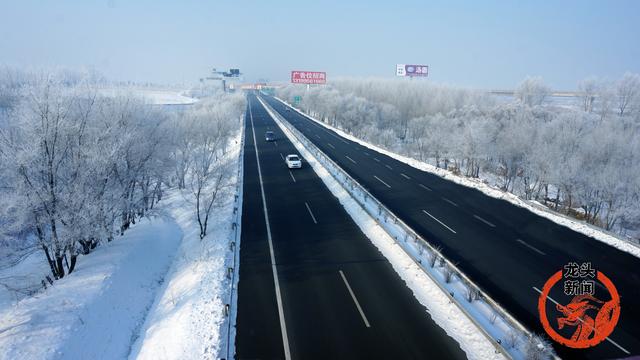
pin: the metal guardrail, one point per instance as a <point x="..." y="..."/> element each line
<point x="230" y="307"/>
<point x="383" y="215"/>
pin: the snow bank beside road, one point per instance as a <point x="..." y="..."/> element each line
<point x="187" y="321"/>
<point x="94" y="312"/>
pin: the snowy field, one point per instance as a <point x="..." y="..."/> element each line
<point x="564" y="101"/>
<point x="151" y="95"/>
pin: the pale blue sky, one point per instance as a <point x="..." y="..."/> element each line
<point x="484" y="44"/>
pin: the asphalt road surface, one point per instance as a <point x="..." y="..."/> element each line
<point x="336" y="297"/>
<point x="507" y="250"/>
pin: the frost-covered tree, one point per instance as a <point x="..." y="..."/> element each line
<point x="628" y="92"/>
<point x="605" y="101"/>
<point x="589" y="88"/>
<point x="211" y="129"/>
<point x="532" y="91"/>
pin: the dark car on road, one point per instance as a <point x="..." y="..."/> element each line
<point x="269" y="136"/>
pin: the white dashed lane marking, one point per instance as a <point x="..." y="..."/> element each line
<point x="440" y="222"/>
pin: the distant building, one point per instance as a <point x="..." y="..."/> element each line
<point x="227" y="81"/>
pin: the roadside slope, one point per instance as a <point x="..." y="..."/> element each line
<point x="94" y="312"/>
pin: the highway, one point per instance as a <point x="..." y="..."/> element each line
<point x="507" y="250"/>
<point x="312" y="286"/>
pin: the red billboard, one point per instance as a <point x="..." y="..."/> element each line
<point x="308" y="77"/>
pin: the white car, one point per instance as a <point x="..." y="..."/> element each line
<point x="293" y="161"/>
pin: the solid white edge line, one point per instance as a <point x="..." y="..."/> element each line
<point x="387" y="185"/>
<point x="582" y="321"/>
<point x="311" y="213"/>
<point x="353" y="161"/>
<point x="441" y="223"/>
<point x="353" y="296"/>
<point x="531" y="247"/>
<point x="483" y="220"/>
<point x="274" y="270"/>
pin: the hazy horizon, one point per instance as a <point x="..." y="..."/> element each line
<point x="493" y="45"/>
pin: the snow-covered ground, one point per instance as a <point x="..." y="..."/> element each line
<point x="187" y="320"/>
<point x="567" y="101"/>
<point x="151" y="95"/>
<point x="18" y="280"/>
<point x="158" y="292"/>
<point x="576" y="225"/>
<point x="94" y="312"/>
<point x="446" y="314"/>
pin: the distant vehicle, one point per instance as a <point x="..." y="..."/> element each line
<point x="293" y="161"/>
<point x="269" y="136"/>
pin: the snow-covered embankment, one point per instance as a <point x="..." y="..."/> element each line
<point x="187" y="321"/>
<point x="94" y="312"/>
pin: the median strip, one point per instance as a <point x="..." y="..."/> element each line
<point x="401" y="239"/>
